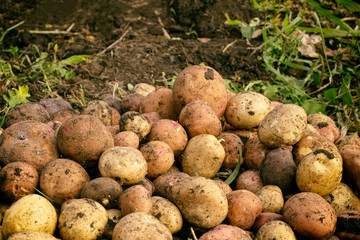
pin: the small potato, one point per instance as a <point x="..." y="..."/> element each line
<point x="276" y="229"/>
<point x="310" y="215"/>
<point x="27" y="111"/>
<point x="31" y="212"/>
<point x="82" y="219"/>
<point x="135" y="199"/>
<point x="104" y="190"/>
<point x="271" y="198"/>
<point x="63" y="179"/>
<point x="163" y="183"/>
<point x="254" y="153"/>
<point x="233" y="147"/>
<point x="115" y="117"/>
<point x="140" y="225"/>
<point x="343" y="198"/>
<point x="159" y="157"/>
<point x="112" y="100"/>
<point x="135" y="122"/>
<point x="53" y="105"/>
<point x="143" y="88"/>
<point x="167" y="213"/>
<point x="264" y="218"/>
<point x="161" y="101"/>
<point x="203" y="155"/>
<point x="319" y="172"/>
<point x="127" y="138"/>
<point x="328" y="130"/>
<point x="126" y="163"/>
<point x="198" y="117"/>
<point x="352" y="139"/>
<point x="351" y="158"/>
<point x="152" y="117"/>
<point x="225" y="187"/>
<point x="171" y="132"/>
<point x="131" y="102"/>
<point x="244" y="207"/>
<point x="283" y="126"/>
<point x="18" y="179"/>
<point x="114" y="216"/>
<point x="247" y="109"/>
<point x="249" y="180"/>
<point x="224" y="231"/>
<point x="32" y="235"/>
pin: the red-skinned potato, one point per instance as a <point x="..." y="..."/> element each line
<point x="351" y="139"/>
<point x="147" y="184"/>
<point x="233" y="147"/>
<point x="27" y="111"/>
<point x="99" y="109"/>
<point x="325" y="126"/>
<point x="127" y="138"/>
<point x="152" y="117"/>
<point x="224" y="186"/>
<point x="200" y="82"/>
<point x="351" y="159"/>
<point x="112" y="100"/>
<point x="115" y="117"/>
<point x="131" y="102"/>
<point x="266" y="217"/>
<point x="135" y="199"/>
<point x="64" y="114"/>
<point x="254" y="153"/>
<point x="164" y="183"/>
<point x="52" y="105"/>
<point x="249" y="180"/>
<point x="224" y="231"/>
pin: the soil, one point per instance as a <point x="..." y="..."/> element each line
<point x="159" y="38"/>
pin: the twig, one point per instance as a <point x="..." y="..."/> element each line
<point x="50" y="32"/>
<point x="193" y="233"/>
<point x="229" y="45"/>
<point x="114" y="43"/>
<point x="71" y="27"/>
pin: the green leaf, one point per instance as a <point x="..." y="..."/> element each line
<point x="76" y="59"/>
<point x="352" y="6"/>
<point x="247" y="31"/>
<point x="233" y="175"/>
<point x="130" y="86"/>
<point x="347" y="99"/>
<point x="330" y="94"/>
<point x="314" y="107"/>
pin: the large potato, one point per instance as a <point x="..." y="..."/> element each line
<point x="27" y="111"/>
<point x="203" y="155"/>
<point x="140" y="226"/>
<point x="224" y="231"/>
<point x="283" y="126"/>
<point x="247" y="109"/>
<point x="31" y="212"/>
<point x="276" y="229"/>
<point x="126" y="163"/>
<point x="200" y="82"/>
<point x="343" y="198"/>
<point x="82" y="219"/>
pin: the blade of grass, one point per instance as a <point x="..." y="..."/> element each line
<point x="233" y="175"/>
<point x="9" y="29"/>
<point x="330" y="32"/>
<point x="352" y="6"/>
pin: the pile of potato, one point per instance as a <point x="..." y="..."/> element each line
<point x="144" y="167"/>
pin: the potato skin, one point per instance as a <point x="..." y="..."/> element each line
<point x="276" y="229"/>
<point x="32" y="235"/>
<point x="25" y="112"/>
<point x="143" y="88"/>
<point x="351" y="159"/>
<point x="233" y="147"/>
<point x="131" y="102"/>
<point x="249" y="180"/>
<point x="310" y="215"/>
<point x="343" y="198"/>
<point x="134" y="121"/>
<point x="283" y="126"/>
<point x="135" y="199"/>
<point x="99" y="109"/>
<point x="127" y="138"/>
<point x="271" y="198"/>
<point x="224" y="231"/>
<point x="264" y="218"/>
<point x="140" y="225"/>
<point x="254" y="153"/>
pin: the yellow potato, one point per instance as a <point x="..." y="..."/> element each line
<point x="343" y="198"/>
<point x="271" y="198"/>
<point x="276" y="229"/>
<point x="31" y="235"/>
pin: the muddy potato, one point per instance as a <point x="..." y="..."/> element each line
<point x="164" y="183"/>
<point x="82" y="219"/>
<point x="140" y="225"/>
<point x="159" y="157"/>
<point x="84" y="138"/>
<point x="99" y="109"/>
<point x="135" y="199"/>
<point x="319" y="172"/>
<point x="351" y="139"/>
<point x="161" y="101"/>
<point x="325" y="126"/>
<point x="112" y="100"/>
<point x="200" y="82"/>
<point x="127" y="138"/>
<point x="225" y="187"/>
<point x="171" y="132"/>
<point x="27" y="111"/>
<point x="28" y="141"/>
<point x="348" y="224"/>
<point x="247" y="109"/>
<point x="224" y="231"/>
<point x="31" y="212"/>
<point x="233" y="147"/>
<point x="343" y="198"/>
<point x="283" y="126"/>
<point x="152" y="117"/>
<point x="115" y="117"/>
<point x="264" y="218"/>
<point x="249" y="180"/>
<point x="104" y="190"/>
<point x="135" y="122"/>
<point x="351" y="158"/>
<point x="310" y="216"/>
<point x="126" y="163"/>
<point x="198" y="117"/>
<point x="53" y="105"/>
<point x="143" y="88"/>
<point x="203" y="156"/>
<point x="271" y="198"/>
<point x="278" y="168"/>
<point x="64" y="114"/>
<point x="167" y="213"/>
<point x="147" y="184"/>
<point x="245" y="134"/>
<point x="254" y="153"/>
<point x="131" y="102"/>
<point x="114" y="216"/>
<point x="32" y="235"/>
<point x="63" y="179"/>
<point x="276" y="229"/>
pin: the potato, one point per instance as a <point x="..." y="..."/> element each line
<point x="233" y="147"/>
<point x="264" y="218"/>
<point x="276" y="229"/>
<point x="245" y="134"/>
<point x="27" y="111"/>
<point x="84" y="138"/>
<point x="343" y="198"/>
<point x="351" y="158"/>
<point x="64" y="114"/>
<point x="224" y="231"/>
<point x="310" y="215"/>
<point x="319" y="172"/>
<point x="247" y="109"/>
<point x="201" y="202"/>
<point x="348" y="224"/>
<point x="203" y="156"/>
<point x="112" y="100"/>
<point x="143" y="88"/>
<point x="161" y="101"/>
<point x="283" y="126"/>
<point x="254" y="153"/>
<point x="18" y="179"/>
<point x="167" y="213"/>
<point x="32" y="235"/>
<point x="63" y="179"/>
<point x="31" y="212"/>
<point x="198" y="117"/>
<point x="171" y="132"/>
<point x="131" y="102"/>
<point x="278" y="168"/>
<point x="99" y="109"/>
<point x="135" y="122"/>
<point x="147" y="184"/>
<point x="53" y="105"/>
<point x="127" y="138"/>
<point x="325" y="126"/>
<point x="225" y="187"/>
<point x="249" y="180"/>
<point x="159" y="157"/>
<point x="271" y="198"/>
<point x="140" y="225"/>
<point x="203" y="83"/>
<point x="126" y="163"/>
<point x="115" y="117"/>
<point x="114" y="216"/>
<point x="82" y="219"/>
<point x="351" y="139"/>
<point x="135" y="199"/>
<point x="152" y="117"/>
<point x="104" y="190"/>
<point x="28" y="141"/>
<point x="244" y="207"/>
